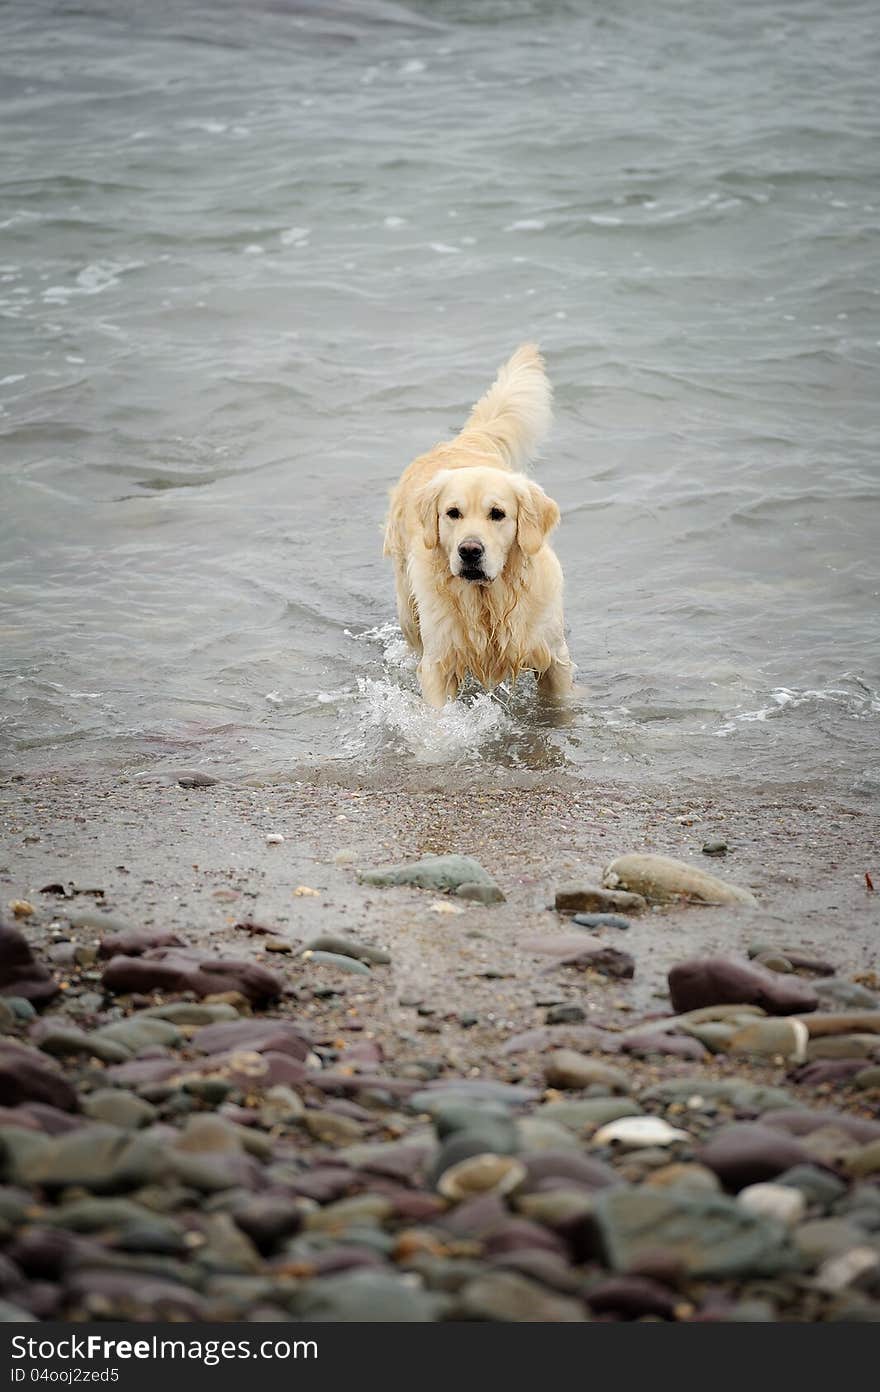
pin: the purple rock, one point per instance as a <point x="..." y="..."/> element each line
<point x="567" y="1168"/>
<point x="719" y="981"/>
<point x="26" y="1075"/>
<point x="134" y="942"/>
<point x="20" y="972"/>
<point x="631" y="1297"/>
<point x="648" y="1042"/>
<point x="134" y="1295"/>
<point x="801" y="1121"/>
<point x="750" y="1153"/>
<point x="259" y="1036"/>
<point x="519" y="1234"/>
<point x="184" y="969"/>
<point x="826" y="1071"/>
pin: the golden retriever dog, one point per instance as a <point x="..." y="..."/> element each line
<point x="479" y="590"/>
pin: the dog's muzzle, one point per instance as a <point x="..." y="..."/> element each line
<point x="470" y="554"/>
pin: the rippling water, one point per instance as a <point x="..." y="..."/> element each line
<point x="256" y="256"/>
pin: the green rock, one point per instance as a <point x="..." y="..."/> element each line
<point x="93" y="1215"/>
<point x="438" y="873"/>
<point x="868" y="1077"/>
<point x="189" y="1013"/>
<point x="119" y="1108"/>
<point x="21" y="1008"/>
<point x="555" y="1207"/>
<point x="820" y="1238"/>
<point x="137" y="1033"/>
<point x="738" y="1093"/>
<point x="492" y="1120"/>
<point x="64" y="1041"/>
<point x="542" y="1133"/>
<point x="591" y="1111"/>
<point x="817" y="1186"/>
<point x="19" y="1149"/>
<point x="710" y="1235"/>
<point x="14" y="1314"/>
<point x="102" y="1158"/>
<point x="14" y="1206"/>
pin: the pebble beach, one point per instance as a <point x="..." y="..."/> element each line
<point x="247" y="1073"/>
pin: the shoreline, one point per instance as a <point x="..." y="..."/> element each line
<point x="301" y="1161"/>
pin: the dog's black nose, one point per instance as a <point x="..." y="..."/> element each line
<point x="471" y="552"/>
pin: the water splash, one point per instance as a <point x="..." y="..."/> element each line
<point x="390" y="712"/>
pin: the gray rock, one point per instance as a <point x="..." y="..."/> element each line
<point x="340" y="960"/>
<point x="480" y="893"/>
<point x="847" y="994"/>
<point x="565" y="1068"/>
<point x="510" y="1297"/>
<point x="438" y="873"/>
<point x="714" y="848"/>
<point x="600" y="920"/>
<point x="469" y="1090"/>
<point x="366" y="1297"/>
<point x="489" y="1139"/>
<point x="706" y="1236"/>
<point x="347" y="947"/>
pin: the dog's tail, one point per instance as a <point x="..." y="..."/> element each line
<point x="517" y="409"/>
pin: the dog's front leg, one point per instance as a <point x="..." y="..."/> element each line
<point x="434" y="682"/>
<point x="557" y="681"/>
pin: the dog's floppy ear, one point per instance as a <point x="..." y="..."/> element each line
<point x="427" y="499"/>
<point x="536" y="517"/>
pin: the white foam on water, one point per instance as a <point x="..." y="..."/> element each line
<point x="854" y="704"/>
<point x="396" y="712"/>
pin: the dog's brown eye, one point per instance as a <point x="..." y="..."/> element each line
<point x="453" y="513"/>
<point x="497" y="514"/>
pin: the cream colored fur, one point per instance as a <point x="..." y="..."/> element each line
<point x="510" y="621"/>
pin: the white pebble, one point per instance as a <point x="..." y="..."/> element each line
<point x="639" y="1131"/>
<point x="274" y="838"/>
<point x="837" y="1273"/>
<point x="780" y="1201"/>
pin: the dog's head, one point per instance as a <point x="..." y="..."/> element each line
<point x="477" y="516"/>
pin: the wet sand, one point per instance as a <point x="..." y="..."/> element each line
<point x="196" y="861"/>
